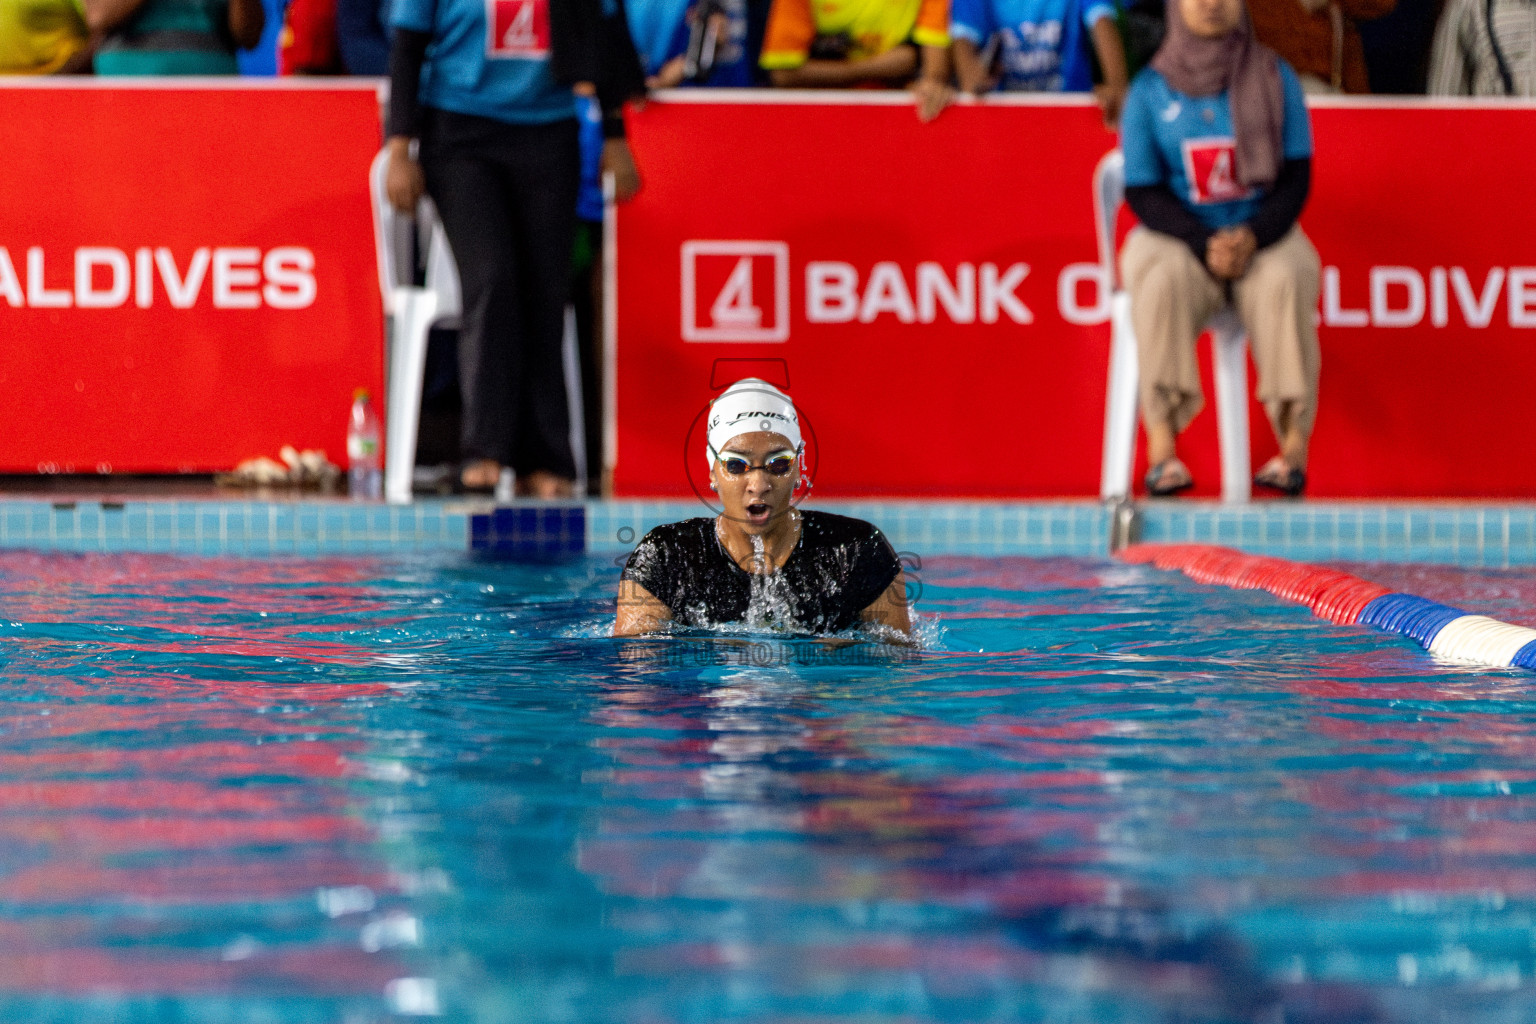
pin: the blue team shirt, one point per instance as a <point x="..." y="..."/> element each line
<point x="660" y="30"/>
<point x="487" y="57"/>
<point x="1042" y="43"/>
<point x="1187" y="144"/>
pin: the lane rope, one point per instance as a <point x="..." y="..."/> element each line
<point x="1348" y="600"/>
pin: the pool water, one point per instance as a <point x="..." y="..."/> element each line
<point x="366" y="790"/>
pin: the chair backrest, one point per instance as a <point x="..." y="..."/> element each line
<point x="1108" y="194"/>
<point x="442" y="271"/>
<point x="389" y="232"/>
<point x="398" y="238"/>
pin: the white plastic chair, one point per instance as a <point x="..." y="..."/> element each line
<point x="414" y="312"/>
<point x="1230" y="358"/>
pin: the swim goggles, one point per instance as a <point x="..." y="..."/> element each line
<point x="779" y="463"/>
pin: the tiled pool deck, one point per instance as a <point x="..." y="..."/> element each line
<point x="1495" y="535"/>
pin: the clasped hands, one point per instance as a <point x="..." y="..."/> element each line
<point x="1229" y="252"/>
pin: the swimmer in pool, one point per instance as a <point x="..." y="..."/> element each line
<point x="762" y="559"/>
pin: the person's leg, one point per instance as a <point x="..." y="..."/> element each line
<point x="1277" y="301"/>
<point x="586" y="297"/>
<point x="544" y="174"/>
<point x="457" y="157"/>
<point x="1172" y="297"/>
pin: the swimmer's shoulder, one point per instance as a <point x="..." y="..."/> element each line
<point x="699" y="526"/>
<point x="685" y="535"/>
<point x="831" y="528"/>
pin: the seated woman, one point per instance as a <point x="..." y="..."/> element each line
<point x="761" y="561"/>
<point x="1218" y="161"/>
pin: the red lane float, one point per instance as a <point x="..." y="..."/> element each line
<point x="1336" y="596"/>
<point x="1349" y="600"/>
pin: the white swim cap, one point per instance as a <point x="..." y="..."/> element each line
<point x="749" y="405"/>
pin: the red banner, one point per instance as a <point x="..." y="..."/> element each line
<point x="930" y="292"/>
<point x="187" y="273"/>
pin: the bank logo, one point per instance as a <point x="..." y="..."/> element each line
<point x="1211" y="165"/>
<point x="517" y="28"/>
<point x="735" y="291"/>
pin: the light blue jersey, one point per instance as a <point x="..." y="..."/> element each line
<point x="487" y="57"/>
<point x="1043" y="44"/>
<point x="1186" y="143"/>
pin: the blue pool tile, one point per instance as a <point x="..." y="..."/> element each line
<point x="1520" y="534"/>
<point x="1419" y="527"/>
<point x="1250" y="528"/>
<point x="529" y="532"/>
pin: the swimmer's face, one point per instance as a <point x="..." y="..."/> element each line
<point x="755" y="477"/>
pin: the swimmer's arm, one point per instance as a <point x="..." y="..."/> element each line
<point x="890" y="608"/>
<point x="640" y="611"/>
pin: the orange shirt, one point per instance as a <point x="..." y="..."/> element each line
<point x="872" y="26"/>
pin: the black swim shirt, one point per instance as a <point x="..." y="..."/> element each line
<point x="839" y="567"/>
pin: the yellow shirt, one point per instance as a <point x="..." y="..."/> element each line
<point x="38" y="37"/>
<point x="872" y="27"/>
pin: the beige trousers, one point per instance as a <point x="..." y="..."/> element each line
<point x="1172" y="297"/>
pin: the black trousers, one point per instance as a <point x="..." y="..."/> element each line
<point x="507" y="197"/>
<point x="586" y="299"/>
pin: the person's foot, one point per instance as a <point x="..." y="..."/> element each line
<point x="480" y="475"/>
<point x="1168" y="477"/>
<point x="1279" y="475"/>
<point x="541" y="483"/>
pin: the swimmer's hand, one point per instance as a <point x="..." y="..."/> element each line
<point x="890" y="610"/>
<point x="639" y="611"/>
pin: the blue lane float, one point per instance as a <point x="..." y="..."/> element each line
<point x="1410" y="615"/>
<point x="1339" y="597"/>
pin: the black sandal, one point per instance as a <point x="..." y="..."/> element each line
<point x="1290" y="483"/>
<point x="1154" y="480"/>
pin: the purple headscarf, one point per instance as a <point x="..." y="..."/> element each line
<point x="1249" y="71"/>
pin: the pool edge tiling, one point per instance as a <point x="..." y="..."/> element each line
<point x="1492" y="535"/>
<point x="1489" y="536"/>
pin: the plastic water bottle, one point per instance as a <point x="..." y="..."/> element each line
<point x="365" y="482"/>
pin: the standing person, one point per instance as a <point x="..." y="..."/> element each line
<point x="1485" y="48"/>
<point x="1040" y="47"/>
<point x="487" y="88"/>
<point x="1218" y="163"/>
<point x="1319" y="39"/>
<point x="173" y="37"/>
<point x="840" y="44"/>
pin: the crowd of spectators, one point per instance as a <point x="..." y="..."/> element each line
<point x="1442" y="47"/>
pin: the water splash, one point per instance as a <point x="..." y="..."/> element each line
<point x="770" y="605"/>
